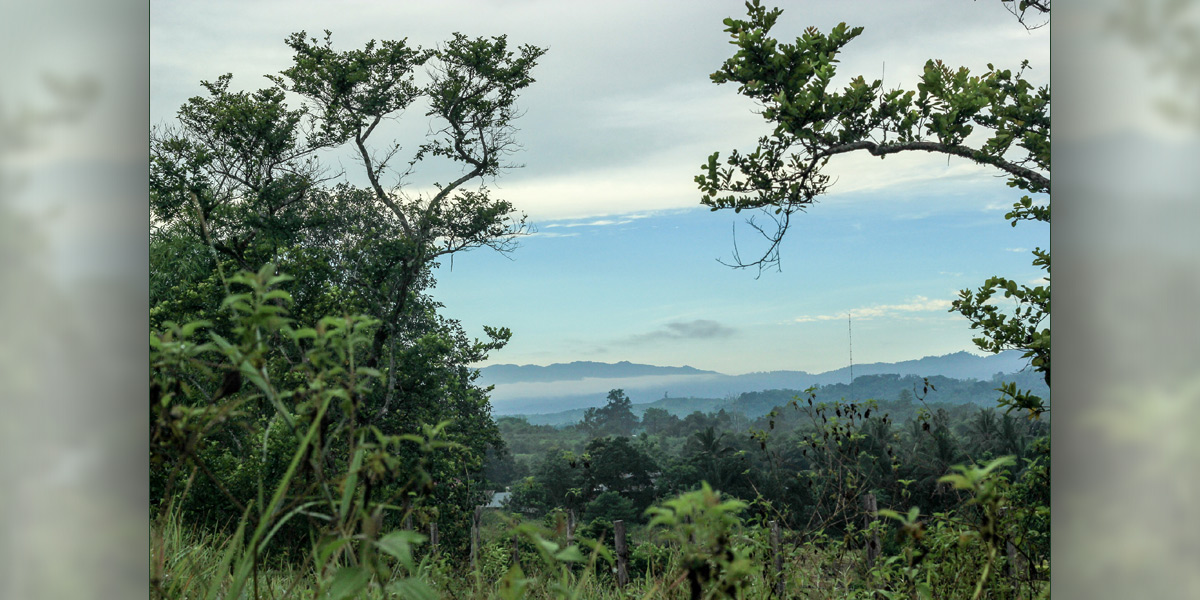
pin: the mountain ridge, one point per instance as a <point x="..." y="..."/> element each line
<point x="531" y="389"/>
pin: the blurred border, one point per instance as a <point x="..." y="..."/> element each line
<point x="73" y="268"/>
<point x="1125" y="449"/>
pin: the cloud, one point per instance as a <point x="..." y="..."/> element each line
<point x="597" y="223"/>
<point x="618" y="219"/>
<point x="700" y="329"/>
<point x="1022" y="250"/>
<point x="918" y="304"/>
<point x="550" y="234"/>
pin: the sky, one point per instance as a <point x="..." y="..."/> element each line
<point x="624" y="261"/>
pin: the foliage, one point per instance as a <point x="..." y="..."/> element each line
<point x="614" y="418"/>
<point x="610" y="506"/>
<point x="997" y="119"/>
<point x="658" y="420"/>
<point x="703" y="526"/>
<point x="616" y="465"/>
<point x="317" y="410"/>
<point x="285" y="457"/>
<point x="237" y="184"/>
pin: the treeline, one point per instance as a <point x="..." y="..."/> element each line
<point x="796" y="463"/>
<point x="947" y="390"/>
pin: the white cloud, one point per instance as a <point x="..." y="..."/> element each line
<point x="918" y="304"/>
<point x="598" y="223"/>
<point x="550" y="234"/>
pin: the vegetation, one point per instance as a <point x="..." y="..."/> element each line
<point x="997" y="119"/>
<point x="313" y="413"/>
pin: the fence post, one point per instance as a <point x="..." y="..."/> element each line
<point x="433" y="536"/>
<point x="622" y="553"/>
<point x="475" y="538"/>
<point x="516" y="551"/>
<point x="1018" y="567"/>
<point x="777" y="554"/>
<point x="871" y="509"/>
<point x="570" y="526"/>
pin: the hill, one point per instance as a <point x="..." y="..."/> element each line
<point x="553" y="389"/>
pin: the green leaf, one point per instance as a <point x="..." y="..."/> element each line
<point x="347" y="583"/>
<point x="513" y="585"/>
<point x="399" y="544"/>
<point x="570" y="554"/>
<point x="412" y="588"/>
<point x="924" y="591"/>
<point x="328" y="549"/>
<point x="888" y="513"/>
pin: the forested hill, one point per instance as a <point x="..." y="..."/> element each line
<point x="532" y="389"/>
<point x="886" y="388"/>
<point x="501" y="374"/>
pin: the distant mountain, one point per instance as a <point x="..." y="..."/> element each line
<point x="889" y="387"/>
<point x="533" y="389"/>
<point x="574" y="371"/>
<point x="959" y="365"/>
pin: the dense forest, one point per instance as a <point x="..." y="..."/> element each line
<point x="318" y="430"/>
<point x="947" y="390"/>
<point x="613" y="466"/>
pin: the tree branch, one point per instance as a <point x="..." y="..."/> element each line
<point x="1040" y="182"/>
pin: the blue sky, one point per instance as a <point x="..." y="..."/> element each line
<point x="623" y="264"/>
<point x="647" y="287"/>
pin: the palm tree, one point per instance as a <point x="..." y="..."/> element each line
<point x="983" y="433"/>
<point x="713" y="456"/>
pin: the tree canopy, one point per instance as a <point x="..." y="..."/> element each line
<point x="614" y="418"/>
<point x="239" y="183"/>
<point x="995" y="118"/>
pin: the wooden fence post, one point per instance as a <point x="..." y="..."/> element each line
<point x="475" y="538"/>
<point x="871" y="509"/>
<point x="516" y="551"/>
<point x="777" y="555"/>
<point x="622" y="553"/>
<point x="433" y="536"/>
<point x="1018" y="567"/>
<point x="570" y="526"/>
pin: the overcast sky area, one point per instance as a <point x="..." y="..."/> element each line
<point x="624" y="262"/>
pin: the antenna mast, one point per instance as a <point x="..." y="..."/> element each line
<point x="850" y="337"/>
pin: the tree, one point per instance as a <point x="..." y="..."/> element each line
<point x="611" y="507"/>
<point x="658" y="420"/>
<point x="614" y="418"/>
<point x="559" y="478"/>
<point x="714" y="458"/>
<point x="614" y="464"/>
<point x="996" y="119"/>
<point x="237" y="184"/>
